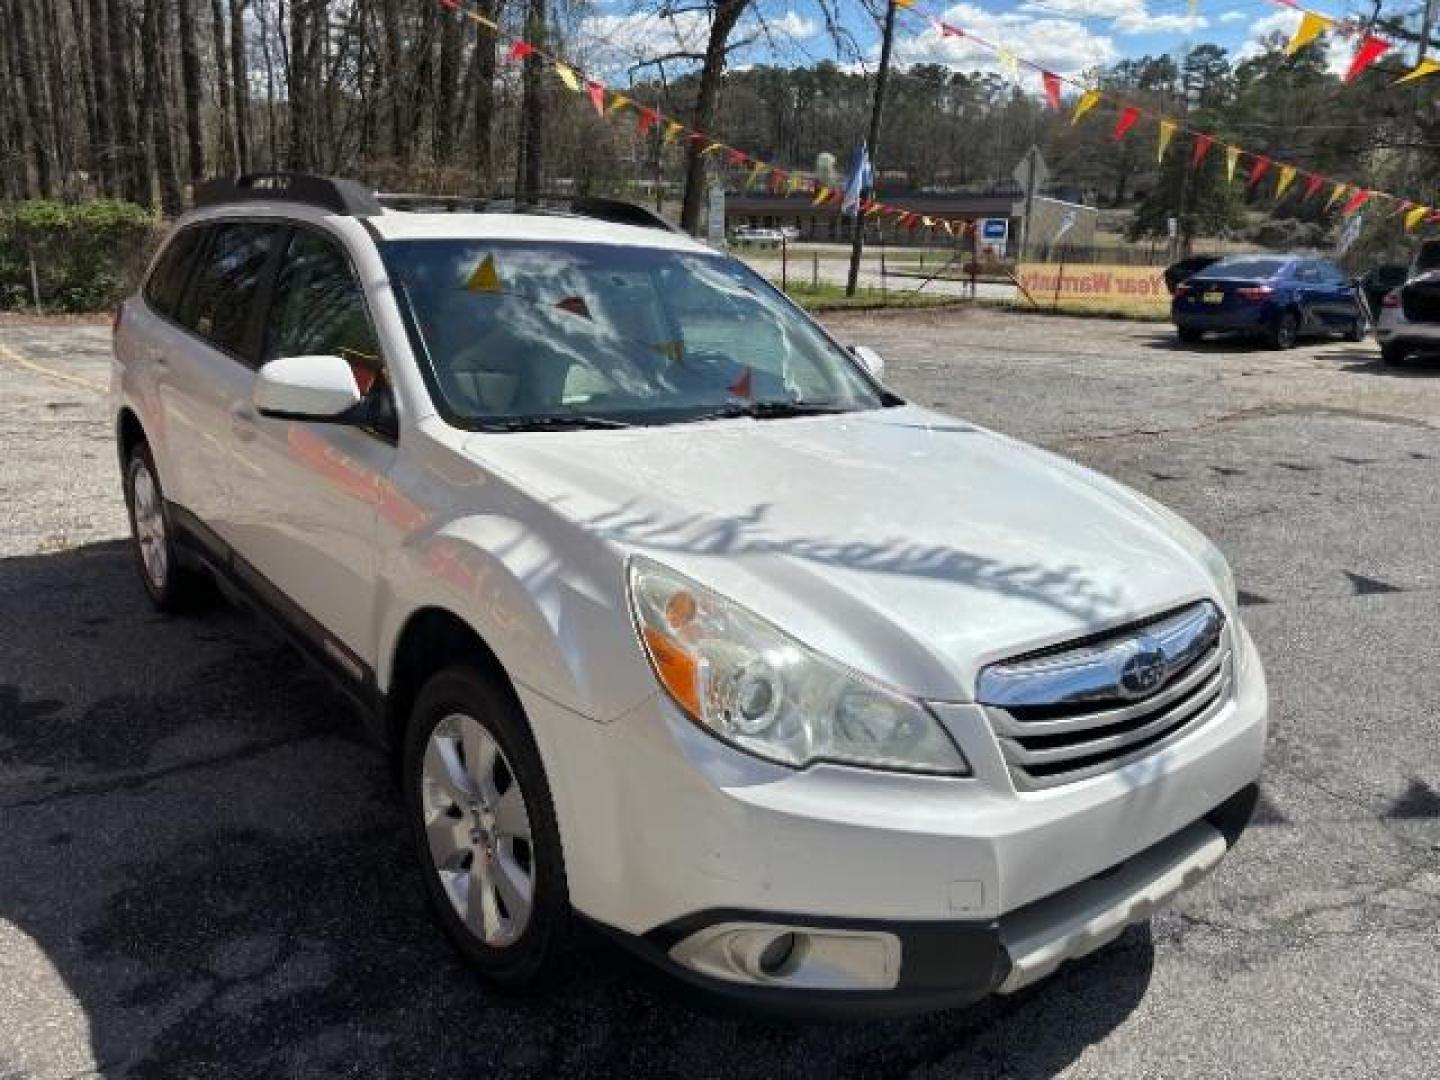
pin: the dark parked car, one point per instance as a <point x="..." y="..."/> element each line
<point x="1275" y="297"/>
<point x="1379" y="280"/>
<point x="1177" y="272"/>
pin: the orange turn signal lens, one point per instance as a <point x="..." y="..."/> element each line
<point x="677" y="669"/>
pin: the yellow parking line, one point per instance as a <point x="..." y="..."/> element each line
<point x="10" y="355"/>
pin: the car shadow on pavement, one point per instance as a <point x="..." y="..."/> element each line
<point x="207" y="866"/>
<point x="1362" y="361"/>
<point x="1169" y="342"/>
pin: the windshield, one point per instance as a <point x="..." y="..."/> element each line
<point x="1245" y="267"/>
<point x="527" y="331"/>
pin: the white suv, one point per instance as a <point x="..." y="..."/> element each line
<point x="679" y="622"/>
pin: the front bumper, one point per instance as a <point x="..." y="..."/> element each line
<point x="940" y="965"/>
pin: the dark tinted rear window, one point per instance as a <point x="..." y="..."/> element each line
<point x="1428" y="257"/>
<point x="166" y="284"/>
<point x="1245" y="268"/>
<point x="219" y="302"/>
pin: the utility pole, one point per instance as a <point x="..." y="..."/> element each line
<point x="872" y="145"/>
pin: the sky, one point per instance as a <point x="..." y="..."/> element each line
<point x="1065" y="36"/>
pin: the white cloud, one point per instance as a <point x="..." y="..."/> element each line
<point x="621" y="40"/>
<point x="1234" y="16"/>
<point x="791" y="25"/>
<point x="1061" y="45"/>
<point x="1130" y="16"/>
<point x="1337" y="57"/>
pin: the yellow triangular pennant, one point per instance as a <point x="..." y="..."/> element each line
<point x="1010" y="64"/>
<point x="1425" y="67"/>
<point x="485" y="278"/>
<point x="673" y="128"/>
<point x="1088" y="100"/>
<point x="1167" y="132"/>
<point x="618" y="102"/>
<point x="1232" y="157"/>
<point x="821" y="194"/>
<point x="1311" y="26"/>
<point x="567" y="77"/>
<point x="1287" y="177"/>
<point x="1414" y="217"/>
<point x="1335" y="195"/>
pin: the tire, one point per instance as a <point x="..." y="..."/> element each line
<point x="1359" y="329"/>
<point x="171" y="586"/>
<point x="1394" y="352"/>
<point x="470" y="830"/>
<point x="1188" y="335"/>
<point x="1285" y="331"/>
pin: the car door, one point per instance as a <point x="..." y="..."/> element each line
<point x="204" y="355"/>
<point x="1342" y="307"/>
<point x="307" y="494"/>
<point x="1310" y="295"/>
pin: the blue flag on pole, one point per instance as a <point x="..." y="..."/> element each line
<point x="862" y="178"/>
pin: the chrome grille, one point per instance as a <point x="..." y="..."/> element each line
<point x="1092" y="706"/>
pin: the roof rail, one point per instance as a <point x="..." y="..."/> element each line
<point x="339" y="196"/>
<point x="615" y="211"/>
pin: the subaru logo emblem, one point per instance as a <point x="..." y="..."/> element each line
<point x="1144" y="672"/>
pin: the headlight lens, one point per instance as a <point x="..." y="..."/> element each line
<point x="759" y="689"/>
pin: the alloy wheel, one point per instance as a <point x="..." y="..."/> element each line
<point x="478" y="830"/>
<point x="149" y="518"/>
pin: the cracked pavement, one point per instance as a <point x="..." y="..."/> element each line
<point x="203" y="873"/>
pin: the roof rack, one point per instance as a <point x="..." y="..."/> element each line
<point x="348" y="197"/>
<point x="616" y="211"/>
<point x="339" y="196"/>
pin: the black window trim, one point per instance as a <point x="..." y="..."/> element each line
<point x="199" y="227"/>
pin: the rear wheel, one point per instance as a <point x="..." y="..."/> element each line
<point x="484" y="827"/>
<point x="1394" y="352"/>
<point x="1284" y="331"/>
<point x="1358" y="329"/>
<point x="1188" y="335"/>
<point x="172" y="586"/>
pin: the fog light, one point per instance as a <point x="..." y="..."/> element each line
<point x="777" y="954"/>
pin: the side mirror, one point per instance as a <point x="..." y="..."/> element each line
<point x="319" y="388"/>
<point x="873" y="361"/>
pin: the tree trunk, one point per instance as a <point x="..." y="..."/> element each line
<point x="447" y="94"/>
<point x="484" y="68"/>
<point x="240" y="80"/>
<point x="727" y="14"/>
<point x="130" y="160"/>
<point x="190" y="74"/>
<point x="222" y="79"/>
<point x="104" y="149"/>
<point x="37" y="108"/>
<point x="531" y="131"/>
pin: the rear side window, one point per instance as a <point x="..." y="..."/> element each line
<point x="218" y="304"/>
<point x="165" y="286"/>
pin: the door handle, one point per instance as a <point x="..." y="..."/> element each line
<point x="242" y="422"/>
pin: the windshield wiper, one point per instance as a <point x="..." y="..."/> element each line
<point x="551" y="422"/>
<point x="771" y="410"/>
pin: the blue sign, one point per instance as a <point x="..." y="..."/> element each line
<point x="995" y="229"/>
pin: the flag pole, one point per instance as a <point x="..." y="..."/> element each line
<point x="857" y="243"/>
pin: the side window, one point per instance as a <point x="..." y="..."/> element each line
<point x="1332" y="274"/>
<point x="1307" y="273"/>
<point x="165" y="286"/>
<point x="319" y="308"/>
<point x="218" y="304"/>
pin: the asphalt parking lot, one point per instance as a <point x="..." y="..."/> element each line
<point x="202" y="872"/>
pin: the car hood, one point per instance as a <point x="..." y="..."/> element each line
<point x="909" y="545"/>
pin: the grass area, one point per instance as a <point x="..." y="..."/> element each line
<point x="1107" y="309"/>
<point x="833" y="298"/>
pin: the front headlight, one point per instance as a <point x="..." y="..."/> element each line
<point x="760" y="690"/>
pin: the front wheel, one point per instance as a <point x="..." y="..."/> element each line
<point x="1284" y="331"/>
<point x="484" y="826"/>
<point x="1393" y="352"/>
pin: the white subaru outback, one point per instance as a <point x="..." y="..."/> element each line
<point x="679" y="622"/>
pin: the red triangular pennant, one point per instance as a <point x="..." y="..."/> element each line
<point x="946" y="30"/>
<point x="648" y="119"/>
<point x="1259" y="169"/>
<point x="1052" y="88"/>
<point x="736" y="157"/>
<point x="1126" y="122"/>
<point x="1312" y="185"/>
<point x="1370" y="50"/>
<point x="1355" y="202"/>
<point x="1202" y="147"/>
<point x="521" y="49"/>
<point x="596" y="92"/>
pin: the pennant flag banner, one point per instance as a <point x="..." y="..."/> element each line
<point x="596" y="93"/>
<point x="1232" y="158"/>
<point x="1311" y="26"/>
<point x="1287" y="177"/>
<point x="1257" y="170"/>
<point x="1011" y="65"/>
<point x="1088" y="100"/>
<point x="1414" y="217"/>
<point x="618" y="102"/>
<point x="1356" y="201"/>
<point x="1052" y="89"/>
<point x="1370" y="50"/>
<point x="521" y="49"/>
<point x="1313" y="185"/>
<point x="1336" y="195"/>
<point x="1202" y="147"/>
<point x="1167" y="132"/>
<point x="647" y="120"/>
<point x="567" y="76"/>
<point x="1422" y="69"/>
<point x="1126" y="122"/>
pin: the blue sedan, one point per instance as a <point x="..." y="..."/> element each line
<point x="1274" y="297"/>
